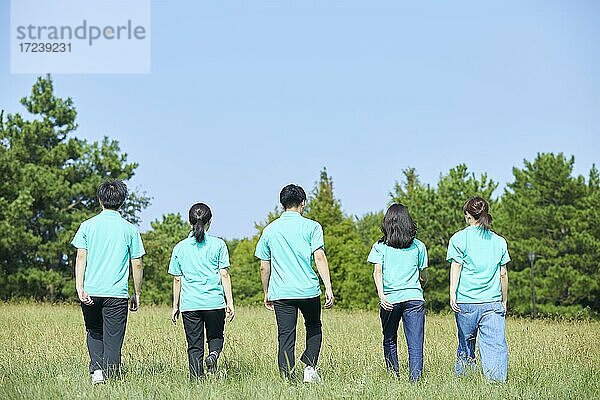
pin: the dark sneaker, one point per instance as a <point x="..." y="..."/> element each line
<point x="211" y="363"/>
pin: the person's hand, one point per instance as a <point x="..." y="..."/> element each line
<point x="84" y="297"/>
<point x="453" y="304"/>
<point x="385" y="304"/>
<point x="174" y="315"/>
<point x="329" y="298"/>
<point x="268" y="303"/>
<point x="504" y="305"/>
<point x="230" y="312"/>
<point x="135" y="303"/>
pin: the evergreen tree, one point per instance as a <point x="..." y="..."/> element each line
<point x="548" y="211"/>
<point x="159" y="243"/>
<point x="346" y="250"/>
<point x="47" y="188"/>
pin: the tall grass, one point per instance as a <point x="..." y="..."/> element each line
<point x="43" y="356"/>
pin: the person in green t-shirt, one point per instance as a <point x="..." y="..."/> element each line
<point x="287" y="248"/>
<point x="106" y="245"/>
<point x="478" y="292"/>
<point x="400" y="260"/>
<point x="201" y="290"/>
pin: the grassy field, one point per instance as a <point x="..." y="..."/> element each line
<point x="43" y="356"/>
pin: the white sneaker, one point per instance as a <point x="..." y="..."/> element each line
<point x="311" y="375"/>
<point x="97" y="377"/>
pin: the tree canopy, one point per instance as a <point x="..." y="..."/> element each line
<point x="48" y="187"/>
<point x="50" y="177"/>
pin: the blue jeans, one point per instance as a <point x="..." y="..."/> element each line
<point x="412" y="312"/>
<point x="484" y="322"/>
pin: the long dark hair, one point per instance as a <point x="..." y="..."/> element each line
<point x="479" y="209"/>
<point x="199" y="216"/>
<point x="398" y="228"/>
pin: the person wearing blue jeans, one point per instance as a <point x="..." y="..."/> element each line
<point x="478" y="292"/>
<point x="399" y="271"/>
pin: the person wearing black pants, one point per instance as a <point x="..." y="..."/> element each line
<point x="105" y="322"/>
<point x="287" y="248"/>
<point x="107" y="245"/>
<point x="193" y="324"/>
<point x="286" y="314"/>
<point x="201" y="290"/>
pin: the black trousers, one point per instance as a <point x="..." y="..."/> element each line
<point x="105" y="322"/>
<point x="193" y="324"/>
<point x="286" y="314"/>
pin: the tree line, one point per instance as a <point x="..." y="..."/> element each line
<point x="49" y="179"/>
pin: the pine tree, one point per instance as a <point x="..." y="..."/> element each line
<point x="47" y="188"/>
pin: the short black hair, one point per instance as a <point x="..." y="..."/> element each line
<point x="292" y="196"/>
<point x="112" y="194"/>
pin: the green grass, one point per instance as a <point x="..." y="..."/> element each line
<point x="43" y="356"/>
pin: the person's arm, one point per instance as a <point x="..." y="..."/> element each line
<point x="378" y="278"/>
<point x="176" y="293"/>
<point x="423" y="277"/>
<point x="323" y="268"/>
<point x="504" y="285"/>
<point x="138" y="274"/>
<point x="454" y="275"/>
<point x="265" y="275"/>
<point x="80" y="263"/>
<point x="226" y="281"/>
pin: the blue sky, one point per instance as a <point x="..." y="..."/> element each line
<point x="245" y="97"/>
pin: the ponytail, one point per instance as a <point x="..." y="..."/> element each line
<point x="485" y="220"/>
<point x="198" y="231"/>
<point x="479" y="209"/>
<point x="199" y="216"/>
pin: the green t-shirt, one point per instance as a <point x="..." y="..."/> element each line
<point x="289" y="243"/>
<point x="481" y="253"/>
<point x="111" y="242"/>
<point x="400" y="270"/>
<point x="199" y="265"/>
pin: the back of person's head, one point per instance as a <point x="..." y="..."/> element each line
<point x="292" y="196"/>
<point x="398" y="228"/>
<point x="112" y="194"/>
<point x="479" y="209"/>
<point x="199" y="217"/>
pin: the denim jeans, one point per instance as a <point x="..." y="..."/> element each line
<point x="485" y="323"/>
<point x="412" y="312"/>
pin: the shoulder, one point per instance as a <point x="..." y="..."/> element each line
<point x="91" y="221"/>
<point x="378" y="246"/>
<point x="182" y="243"/>
<point x="267" y="229"/>
<point x="499" y="239"/>
<point x="311" y="223"/>
<point x="419" y="244"/>
<point x="132" y="228"/>
<point x="458" y="235"/>
<point x="215" y="241"/>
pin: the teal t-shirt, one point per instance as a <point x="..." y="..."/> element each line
<point x="111" y="242"/>
<point x="481" y="253"/>
<point x="289" y="243"/>
<point x="199" y="265"/>
<point x="400" y="270"/>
